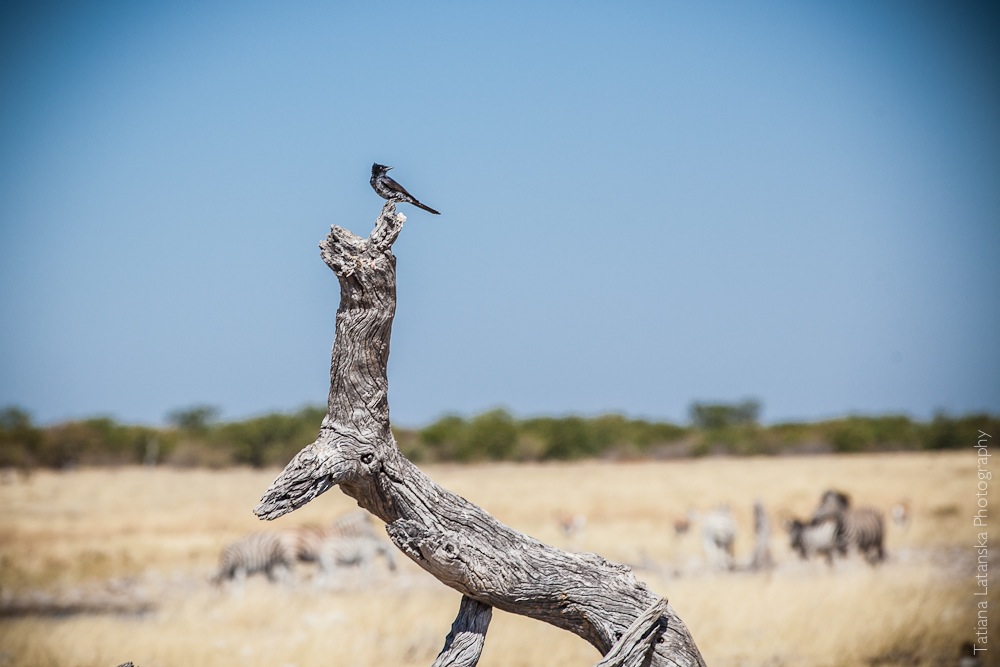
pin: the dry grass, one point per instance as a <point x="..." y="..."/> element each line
<point x="158" y="533"/>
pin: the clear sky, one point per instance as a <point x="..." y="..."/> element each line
<point x="643" y="204"/>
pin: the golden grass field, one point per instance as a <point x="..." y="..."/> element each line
<point x="154" y="535"/>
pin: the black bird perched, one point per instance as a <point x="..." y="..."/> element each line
<point x="389" y="189"/>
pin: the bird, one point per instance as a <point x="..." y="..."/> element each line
<point x="387" y="188"/>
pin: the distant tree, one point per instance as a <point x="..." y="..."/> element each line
<point x="195" y="419"/>
<point x="491" y="435"/>
<point x="711" y="416"/>
<point x="270" y="439"/>
<point x="946" y="432"/>
<point x="13" y="418"/>
<point x="565" y="438"/>
<point x="66" y="445"/>
<point x="853" y="434"/>
<point x="444" y="438"/>
<point x="19" y="439"/>
<point x="861" y="433"/>
<point x="612" y="430"/>
<point x="941" y="433"/>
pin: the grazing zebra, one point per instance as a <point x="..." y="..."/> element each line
<point x="863" y="527"/>
<point x="306" y="542"/>
<point x="718" y="534"/>
<point x="275" y="552"/>
<point x="355" y="551"/>
<point x="818" y="537"/>
<point x="263" y="552"/>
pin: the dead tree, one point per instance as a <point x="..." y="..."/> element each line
<point x="458" y="542"/>
<point x="761" y="539"/>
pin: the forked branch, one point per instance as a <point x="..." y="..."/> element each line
<point x="491" y="564"/>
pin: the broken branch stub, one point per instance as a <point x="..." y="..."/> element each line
<point x="636" y="646"/>
<point x="456" y="541"/>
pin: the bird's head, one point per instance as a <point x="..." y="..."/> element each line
<point x="378" y="169"/>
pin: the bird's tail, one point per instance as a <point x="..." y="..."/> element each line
<point x="426" y="208"/>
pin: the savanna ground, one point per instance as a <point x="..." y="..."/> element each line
<point x="83" y="552"/>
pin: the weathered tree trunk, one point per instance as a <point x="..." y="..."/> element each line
<point x="453" y="539"/>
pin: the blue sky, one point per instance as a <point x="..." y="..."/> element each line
<point x="643" y="204"/>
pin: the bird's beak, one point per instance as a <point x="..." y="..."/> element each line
<point x="388" y="168"/>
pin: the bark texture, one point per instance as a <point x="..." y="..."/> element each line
<point x="464" y="643"/>
<point x="451" y="538"/>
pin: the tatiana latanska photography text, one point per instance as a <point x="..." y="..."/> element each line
<point x="981" y="523"/>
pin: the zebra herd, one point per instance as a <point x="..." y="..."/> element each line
<point x="835" y="529"/>
<point x="838" y="528"/>
<point x="349" y="541"/>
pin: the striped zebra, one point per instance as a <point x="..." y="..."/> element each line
<point x="275" y="552"/>
<point x="816" y="537"/>
<point x="259" y="552"/>
<point x="862" y="528"/>
<point x="306" y="542"/>
<point x="358" y="551"/>
<point x="832" y="503"/>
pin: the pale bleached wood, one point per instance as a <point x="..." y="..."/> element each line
<point x="454" y="540"/>
<point x="464" y="643"/>
<point x="637" y="646"/>
<point x="761" y="539"/>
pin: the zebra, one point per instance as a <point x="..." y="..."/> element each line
<point x="263" y="552"/>
<point x="718" y="533"/>
<point x="275" y="552"/>
<point x="832" y="503"/>
<point x="818" y="536"/>
<point x="306" y="542"/>
<point x="863" y="527"/>
<point x="352" y="551"/>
